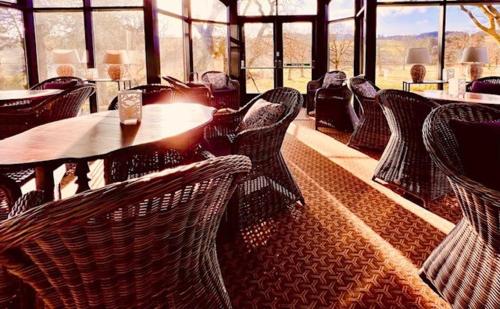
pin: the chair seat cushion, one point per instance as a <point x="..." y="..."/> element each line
<point x="485" y="87"/>
<point x="60" y="85"/>
<point x="334" y="78"/>
<point x="217" y="80"/>
<point x="262" y="113"/>
<point x="479" y="149"/>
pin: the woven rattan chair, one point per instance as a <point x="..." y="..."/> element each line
<point x="189" y="92"/>
<point x="316" y="84"/>
<point x="332" y="108"/>
<point x="489" y="79"/>
<point x="65" y="81"/>
<point x="151" y="94"/>
<point x="372" y="131"/>
<point x="228" y="97"/>
<point x="144" y="243"/>
<point x="270" y="187"/>
<point x="16" y="120"/>
<point x="405" y="161"/>
<point x="465" y="267"/>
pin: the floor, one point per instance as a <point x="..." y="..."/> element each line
<point x="355" y="244"/>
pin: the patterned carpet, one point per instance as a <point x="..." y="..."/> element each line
<point x="350" y="247"/>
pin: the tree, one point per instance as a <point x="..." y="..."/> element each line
<point x="491" y="14"/>
<point x="340" y="46"/>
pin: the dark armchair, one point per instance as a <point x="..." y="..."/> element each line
<point x="332" y="107"/>
<point x="270" y="187"/>
<point x="62" y="82"/>
<point x="189" y="92"/>
<point x="225" y="95"/>
<point x="151" y="94"/>
<point x="489" y="84"/>
<point x="335" y="78"/>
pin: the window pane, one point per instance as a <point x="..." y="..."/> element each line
<point x="12" y="54"/>
<point x="117" y="2"/>
<point x="461" y="33"/>
<point x="297" y="53"/>
<point x="209" y="47"/>
<point x="56" y="31"/>
<point x="173" y="6"/>
<point x="208" y="10"/>
<point x="401" y="28"/>
<point x="340" y="9"/>
<point x="341" y="46"/>
<point x="256" y="7"/>
<point x="119" y="30"/>
<point x="297" y="7"/>
<point x="57" y="3"/>
<point x="259" y="57"/>
<point x="171" y="46"/>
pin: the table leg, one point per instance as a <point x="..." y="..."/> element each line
<point x="45" y="181"/>
<point x="82" y="169"/>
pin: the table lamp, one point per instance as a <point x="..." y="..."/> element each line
<point x="475" y="56"/>
<point x="115" y="59"/>
<point x="66" y="59"/>
<point x="418" y="56"/>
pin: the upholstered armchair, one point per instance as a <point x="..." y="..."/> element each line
<point x="224" y="89"/>
<point x="335" y="78"/>
<point x="332" y="107"/>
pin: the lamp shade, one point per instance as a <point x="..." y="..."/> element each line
<point x="418" y="55"/>
<point x="65" y="56"/>
<point x="475" y="55"/>
<point x="115" y="57"/>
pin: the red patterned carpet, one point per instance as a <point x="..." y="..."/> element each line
<point x="350" y="247"/>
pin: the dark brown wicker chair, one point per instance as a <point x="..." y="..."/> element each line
<point x="372" y="131"/>
<point x="405" y="161"/>
<point x="316" y="84"/>
<point x="144" y="243"/>
<point x="489" y="79"/>
<point x="65" y="82"/>
<point x="270" y="187"/>
<point x="16" y="120"/>
<point x="465" y="267"/>
<point x="332" y="108"/>
<point x="189" y="92"/>
<point x="228" y="97"/>
<point x="151" y="94"/>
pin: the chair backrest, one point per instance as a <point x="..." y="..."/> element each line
<point x="291" y="98"/>
<point x="62" y="82"/>
<point x="151" y="94"/>
<point x="205" y="79"/>
<point x="144" y="243"/>
<point x="64" y="105"/>
<point x="405" y="112"/>
<point x="488" y="79"/>
<point x="340" y="75"/>
<point x="362" y="88"/>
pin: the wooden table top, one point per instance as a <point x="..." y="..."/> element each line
<point x="97" y="135"/>
<point x="470" y="97"/>
<point x="12" y="95"/>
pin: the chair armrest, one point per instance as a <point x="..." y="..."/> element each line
<point x="260" y="143"/>
<point x="28" y="201"/>
<point x="313" y="85"/>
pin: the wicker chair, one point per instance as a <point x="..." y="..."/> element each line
<point x="65" y="81"/>
<point x="228" y="97"/>
<point x="16" y="120"/>
<point x="149" y="243"/>
<point x="332" y="107"/>
<point x="372" y="131"/>
<point x="151" y="94"/>
<point x="489" y="79"/>
<point x="270" y="187"/>
<point x="189" y="92"/>
<point x="465" y="267"/>
<point x="316" y="84"/>
<point x="405" y="161"/>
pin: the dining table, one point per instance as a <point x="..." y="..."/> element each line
<point x="91" y="137"/>
<point x="442" y="96"/>
<point x="10" y="96"/>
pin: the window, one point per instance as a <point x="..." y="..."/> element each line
<point x="117" y="2"/>
<point x="172" y="6"/>
<point x="171" y="46"/>
<point x="57" y="3"/>
<point x="259" y="57"/>
<point x="401" y="28"/>
<point x="56" y="31"/>
<point x="209" y="47"/>
<point x="340" y="9"/>
<point x="341" y="46"/>
<point x="256" y="7"/>
<point x="297" y="53"/>
<point x="213" y="10"/>
<point x="12" y="53"/>
<point x="297" y="7"/>
<point x="277" y="7"/>
<point x="461" y="32"/>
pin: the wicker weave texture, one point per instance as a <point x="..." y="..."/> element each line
<point x="465" y="267"/>
<point x="145" y="243"/>
<point x="489" y="79"/>
<point x="313" y="86"/>
<point x="372" y="131"/>
<point x="332" y="108"/>
<point x="405" y="161"/>
<point x="226" y="98"/>
<point x="57" y="80"/>
<point x="151" y="94"/>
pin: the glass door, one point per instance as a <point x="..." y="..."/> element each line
<point x="259" y="61"/>
<point x="297" y="55"/>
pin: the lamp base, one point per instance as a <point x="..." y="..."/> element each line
<point x="475" y="71"/>
<point x="65" y="70"/>
<point x="418" y="72"/>
<point x="115" y="71"/>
